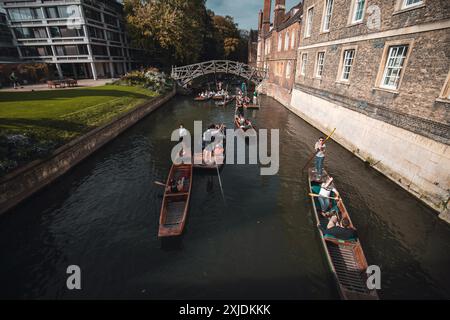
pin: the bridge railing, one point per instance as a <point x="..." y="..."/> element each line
<point x="186" y="74"/>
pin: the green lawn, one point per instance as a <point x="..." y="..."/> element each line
<point x="52" y="118"/>
<point x="64" y="114"/>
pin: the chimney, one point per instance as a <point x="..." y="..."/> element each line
<point x="280" y="9"/>
<point x="266" y="16"/>
<point x="260" y="21"/>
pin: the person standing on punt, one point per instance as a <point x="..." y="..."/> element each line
<point x="320" y="156"/>
<point x="182" y="132"/>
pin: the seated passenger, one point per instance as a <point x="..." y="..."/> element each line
<point x="341" y="231"/>
<point x="325" y="192"/>
<point x="218" y="153"/>
<point x="175" y="185"/>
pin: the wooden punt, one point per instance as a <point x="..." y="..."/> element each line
<point x="251" y="106"/>
<point x="345" y="258"/>
<point x="218" y="97"/>
<point x="211" y="166"/>
<point x="175" y="204"/>
<point x="201" y="98"/>
<point x="225" y="102"/>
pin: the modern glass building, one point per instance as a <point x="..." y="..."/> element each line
<point x="82" y="38"/>
<point x="8" y="51"/>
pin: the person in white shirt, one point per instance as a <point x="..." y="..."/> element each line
<point x="320" y="156"/>
<point x="324" y="193"/>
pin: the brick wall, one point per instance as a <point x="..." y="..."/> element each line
<point x="416" y="104"/>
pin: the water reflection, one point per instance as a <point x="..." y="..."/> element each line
<point x="260" y="243"/>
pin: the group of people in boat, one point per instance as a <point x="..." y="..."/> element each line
<point x="175" y="185"/>
<point x="337" y="227"/>
<point x="213" y="144"/>
<point x="206" y="94"/>
<point x="241" y="102"/>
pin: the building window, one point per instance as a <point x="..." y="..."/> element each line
<point x="96" y="33"/>
<point x="327" y="15"/>
<point x="36" y="51"/>
<point x="286" y="41"/>
<point x="304" y="62"/>
<point x="394" y="66"/>
<point x="411" y="3"/>
<point x="92" y="14"/>
<point x="17" y="14"/>
<point x="309" y="21"/>
<point x="347" y="63"/>
<point x="65" y="32"/>
<point x="293" y="40"/>
<point x="280" y="40"/>
<point x="358" y="11"/>
<point x="110" y="20"/>
<point x="320" y="63"/>
<point x="288" y="69"/>
<point x="30" y="33"/>
<point x="445" y="93"/>
<point x="62" y="12"/>
<point x="72" y="50"/>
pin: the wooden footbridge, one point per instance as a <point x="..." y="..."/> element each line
<point x="184" y="75"/>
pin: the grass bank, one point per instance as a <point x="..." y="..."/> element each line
<point x="33" y="124"/>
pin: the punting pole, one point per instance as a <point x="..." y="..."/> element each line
<point x="315" y="152"/>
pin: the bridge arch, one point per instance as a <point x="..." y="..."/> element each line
<point x="184" y="75"/>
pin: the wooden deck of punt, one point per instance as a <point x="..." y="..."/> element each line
<point x="251" y="106"/>
<point x="346" y="258"/>
<point x="224" y="103"/>
<point x="175" y="204"/>
<point x="201" y="98"/>
<point x="206" y="166"/>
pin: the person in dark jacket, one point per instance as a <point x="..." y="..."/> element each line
<point x="342" y="231"/>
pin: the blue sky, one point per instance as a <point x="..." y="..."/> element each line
<point x="244" y="12"/>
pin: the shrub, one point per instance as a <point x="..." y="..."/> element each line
<point x="150" y="79"/>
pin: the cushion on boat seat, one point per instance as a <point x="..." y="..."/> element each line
<point x="340" y="240"/>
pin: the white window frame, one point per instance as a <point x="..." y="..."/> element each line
<point x="327" y="14"/>
<point x="309" y="21"/>
<point x="288" y="69"/>
<point x="354" y="11"/>
<point x="293" y="40"/>
<point x="319" y="64"/>
<point x="391" y="64"/>
<point x="405" y="4"/>
<point x="280" y="42"/>
<point x="445" y="92"/>
<point x="345" y="63"/>
<point x="304" y="62"/>
<point x="286" y="41"/>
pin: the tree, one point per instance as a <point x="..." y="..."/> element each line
<point x="179" y="32"/>
<point x="170" y="29"/>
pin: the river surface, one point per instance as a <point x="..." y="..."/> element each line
<point x="261" y="243"/>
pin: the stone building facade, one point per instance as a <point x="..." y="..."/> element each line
<point x="277" y="48"/>
<point x="378" y="71"/>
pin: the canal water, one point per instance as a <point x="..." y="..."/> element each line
<point x="261" y="243"/>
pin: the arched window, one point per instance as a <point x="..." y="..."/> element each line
<point x="280" y="40"/>
<point x="286" y="41"/>
<point x="288" y="69"/>
<point x="293" y="40"/>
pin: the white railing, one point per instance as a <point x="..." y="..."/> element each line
<point x="186" y="74"/>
